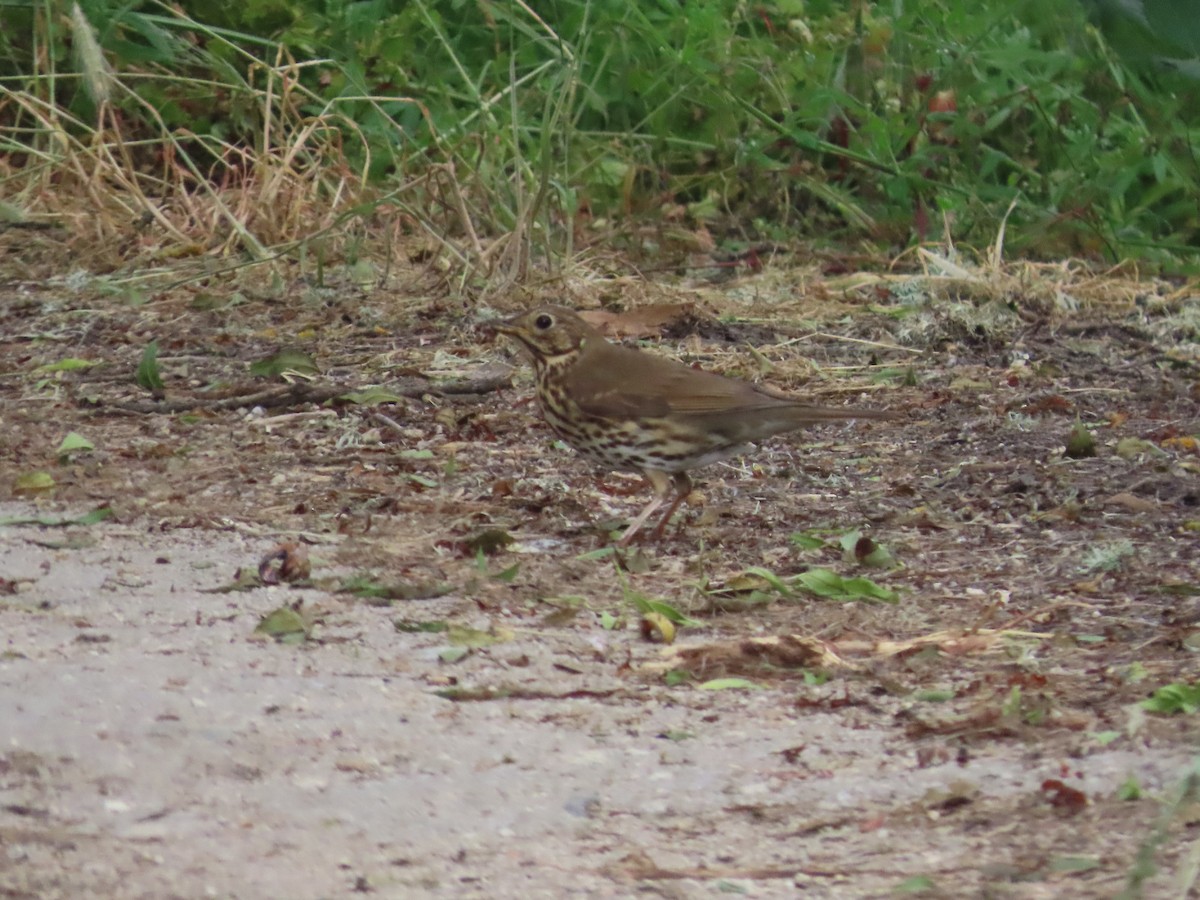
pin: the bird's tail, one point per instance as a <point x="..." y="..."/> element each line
<point x="803" y="413"/>
<point x="755" y="423"/>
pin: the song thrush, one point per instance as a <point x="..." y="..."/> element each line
<point x="626" y="409"/>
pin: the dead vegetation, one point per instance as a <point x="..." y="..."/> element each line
<point x="1039" y="597"/>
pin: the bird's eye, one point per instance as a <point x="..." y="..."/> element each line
<point x="543" y="322"/>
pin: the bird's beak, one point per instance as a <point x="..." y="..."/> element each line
<point x="501" y="327"/>
<point x="509" y="326"/>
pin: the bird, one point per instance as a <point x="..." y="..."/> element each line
<point x="630" y="410"/>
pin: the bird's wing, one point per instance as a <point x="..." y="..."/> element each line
<point x="616" y="382"/>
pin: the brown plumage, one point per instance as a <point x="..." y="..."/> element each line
<point x="630" y="410"/>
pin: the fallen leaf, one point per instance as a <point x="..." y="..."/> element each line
<point x="1130" y="502"/>
<point x="657" y="628"/>
<point x="1064" y="797"/>
<point x="640" y="322"/>
<point x="286" y="562"/>
<point x="284" y="624"/>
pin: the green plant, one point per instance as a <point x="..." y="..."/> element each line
<point x="512" y="136"/>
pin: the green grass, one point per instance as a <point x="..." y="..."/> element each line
<point x="513" y="137"/>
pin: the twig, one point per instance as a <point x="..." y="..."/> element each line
<point x="306" y="392"/>
<point x="388" y="422"/>
<point x="850" y="340"/>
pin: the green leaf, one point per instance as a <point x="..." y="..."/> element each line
<point x="859" y="549"/>
<point x="915" y="885"/>
<point x="488" y="542"/>
<point x="74" y="441"/>
<point x="645" y="605"/>
<point x="866" y="589"/>
<point x="369" y="397"/>
<point x="1133" y="447"/>
<point x="601" y="553"/>
<point x="462" y="636"/>
<point x="70" y="364"/>
<point x="905" y="375"/>
<point x="453" y="654"/>
<point x="1129" y="789"/>
<point x="934" y="696"/>
<point x="364" y="273"/>
<point x="1074" y="864"/>
<point x="371" y="588"/>
<point x="89" y="518"/>
<point x="285" y="363"/>
<point x="729" y="684"/>
<point x="12" y="215"/>
<point x="828" y="584"/>
<point x="636" y="562"/>
<point x="1080" y="443"/>
<point x="247" y="580"/>
<point x="772" y="579"/>
<point x="672" y="734"/>
<point x="1011" y="708"/>
<point x="676" y="677"/>
<point x="509" y="574"/>
<point x="407" y="626"/>
<point x="205" y="301"/>
<point x="807" y="541"/>
<point x="283" y="623"/>
<point x="147" y="371"/>
<point x="95" y="516"/>
<point x="1107" y="557"/>
<point x="1180" y="589"/>
<point x="1174" y="698"/>
<point x="1135" y="673"/>
<point x="848" y="540"/>
<point x="823" y="583"/>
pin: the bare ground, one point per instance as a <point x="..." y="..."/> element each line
<point x="506" y="730"/>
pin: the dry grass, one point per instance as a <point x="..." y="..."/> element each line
<point x="116" y="199"/>
<point x="160" y="206"/>
<point x="120" y="197"/>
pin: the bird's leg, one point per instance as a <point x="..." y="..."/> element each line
<point x="662" y="490"/>
<point x="637" y="523"/>
<point x="683" y="487"/>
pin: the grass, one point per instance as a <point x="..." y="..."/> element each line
<point x="512" y="141"/>
<point x="128" y="187"/>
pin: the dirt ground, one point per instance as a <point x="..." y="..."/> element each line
<point x="467" y="704"/>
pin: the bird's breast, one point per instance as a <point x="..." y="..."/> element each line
<point x="630" y="443"/>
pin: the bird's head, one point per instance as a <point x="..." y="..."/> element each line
<point x="549" y="331"/>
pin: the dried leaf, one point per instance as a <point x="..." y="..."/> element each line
<point x="657" y="628"/>
<point x="33" y="483"/>
<point x="643" y="321"/>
